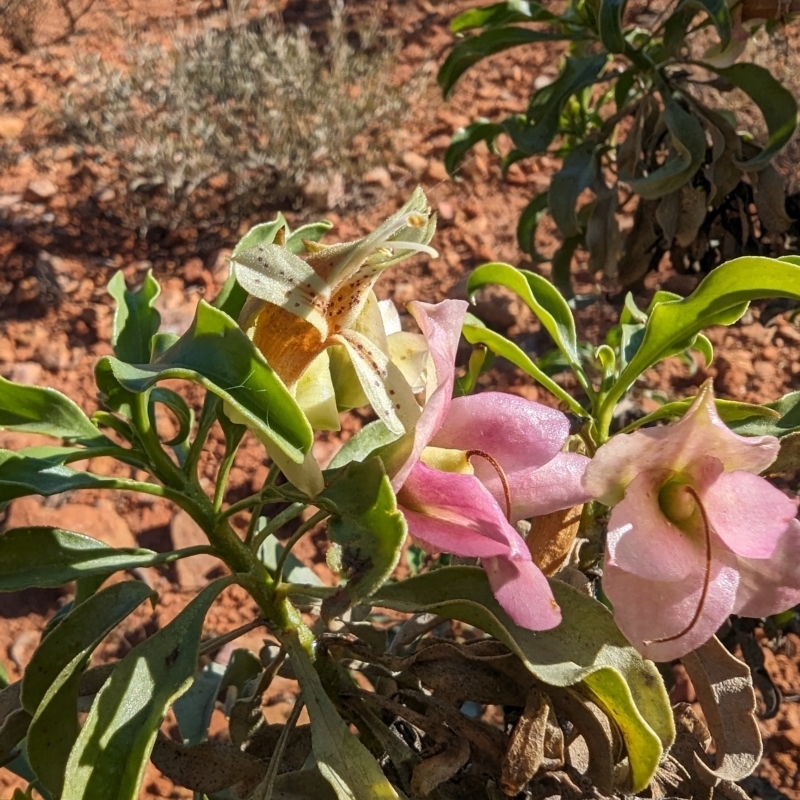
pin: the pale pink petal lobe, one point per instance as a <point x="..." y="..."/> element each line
<point x="523" y="593"/>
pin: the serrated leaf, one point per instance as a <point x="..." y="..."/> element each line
<point x="136" y="319"/>
<point x="217" y="354"/>
<point x="474" y="49"/>
<point x="345" y="763"/>
<point x="52" y="678"/>
<point x="689" y="150"/>
<point x="34" y="409"/>
<point x="49" y="557"/>
<point x="626" y="686"/>
<point x="112" y="750"/>
<point x="774" y="100"/>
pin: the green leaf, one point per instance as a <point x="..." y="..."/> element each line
<point x="294" y="571"/>
<point x="734" y="414"/>
<point x="759" y="424"/>
<point x="720" y="299"/>
<point x="689" y="146"/>
<point x="609" y="21"/>
<point x="263" y="233"/>
<point x="22" y="475"/>
<point x="217" y="354"/>
<point x="52" y="678"/>
<point x="501" y="14"/>
<point x="345" y="763"/>
<point x="775" y="102"/>
<point x="34" y="409"/>
<point x="529" y="221"/>
<point x="312" y="232"/>
<point x="562" y="263"/>
<point x="136" y="320"/>
<point x="541" y="297"/>
<point x="193" y="709"/>
<point x="110" y="756"/>
<point x="465" y="139"/>
<point x="627" y="687"/>
<point x="49" y="557"/>
<point x="178" y="406"/>
<point x="578" y="171"/>
<point x="367" y="530"/>
<point x="368" y="442"/>
<point x="719" y="13"/>
<point x="534" y="132"/>
<point x="474" y="49"/>
<point x="476" y="334"/>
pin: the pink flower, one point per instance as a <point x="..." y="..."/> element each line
<point x="475" y="465"/>
<point x="695" y="534"/>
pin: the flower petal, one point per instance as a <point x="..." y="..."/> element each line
<point x="518" y="433"/>
<point x="643" y="542"/>
<point x="315" y="395"/>
<point x="646" y="610"/>
<point x="382" y="381"/>
<point x="273" y="273"/>
<point x="462" y="501"/>
<point x="523" y="592"/>
<point x="535" y="492"/>
<point x="771" y="585"/>
<point x="747" y="512"/>
<point x="441" y="326"/>
<point x="674" y="447"/>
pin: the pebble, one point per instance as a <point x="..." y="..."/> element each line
<point x="191" y="572"/>
<point x="415" y="163"/>
<point x="40" y="189"/>
<point x="379" y="176"/>
<point x="11" y="127"/>
<point x="436" y="171"/>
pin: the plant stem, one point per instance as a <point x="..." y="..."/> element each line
<point x="222" y="477"/>
<point x="207" y="417"/>
<point x="230" y="636"/>
<point x="163" y="466"/>
<point x="287" y="515"/>
<point x="295" y="538"/>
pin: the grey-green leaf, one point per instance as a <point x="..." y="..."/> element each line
<point x="52" y="678"/>
<point x="136" y="319"/>
<point x="345" y="763"/>
<point x="34" y="409"/>
<point x="627" y="686"/>
<point x="578" y="171"/>
<point x="112" y="750"/>
<point x="217" y="354"/>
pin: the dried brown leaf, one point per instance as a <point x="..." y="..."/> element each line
<point x="441" y="767"/>
<point x="769" y="195"/>
<point x="551" y="538"/>
<point x="726" y="694"/>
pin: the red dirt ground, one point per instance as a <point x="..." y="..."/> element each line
<point x="57" y="254"/>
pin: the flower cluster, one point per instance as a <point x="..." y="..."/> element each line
<point x="694" y="534"/>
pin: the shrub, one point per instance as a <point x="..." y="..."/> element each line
<point x="253" y="111"/>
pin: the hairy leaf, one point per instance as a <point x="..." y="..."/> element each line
<point x="217" y="354"/>
<point x="136" y="319"/>
<point x="110" y="756"/>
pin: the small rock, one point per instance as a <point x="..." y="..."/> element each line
<point x="540" y="81"/>
<point x="192" y="572"/>
<point x="27" y="372"/>
<point x="63" y="153"/>
<point x="436" y="171"/>
<point x="105" y="194"/>
<point x="194" y="271"/>
<point x="415" y="163"/>
<point x="379" y="176"/>
<point x="11" y="127"/>
<point x="446" y="211"/>
<point x="219" y="265"/>
<point x="100" y="522"/>
<point x="40" y="189"/>
<point x="54" y="354"/>
<point x="9" y="200"/>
